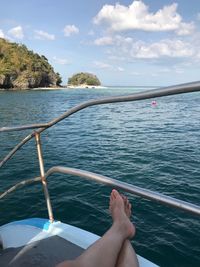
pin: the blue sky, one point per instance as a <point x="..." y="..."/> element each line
<point x="125" y="42"/>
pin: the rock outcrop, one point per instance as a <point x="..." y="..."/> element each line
<point x="84" y="78"/>
<point x="21" y="68"/>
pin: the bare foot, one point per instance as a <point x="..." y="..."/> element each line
<point x="121" y="210"/>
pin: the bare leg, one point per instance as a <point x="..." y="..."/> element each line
<point x="127" y="256"/>
<point x="105" y="251"/>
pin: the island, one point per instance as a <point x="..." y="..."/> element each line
<point x="83" y="80"/>
<point x="21" y="68"/>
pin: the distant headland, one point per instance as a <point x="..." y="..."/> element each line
<point x="21" y="68"/>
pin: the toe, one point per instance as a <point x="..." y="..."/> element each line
<point x="115" y="193"/>
<point x="124" y="199"/>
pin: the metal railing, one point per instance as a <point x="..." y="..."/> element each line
<point x="135" y="190"/>
<point x="172" y="90"/>
<point x="166" y="91"/>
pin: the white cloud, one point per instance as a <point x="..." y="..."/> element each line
<point x="61" y="61"/>
<point x="185" y="28"/>
<point x="130" y="48"/>
<point x="163" y="48"/>
<point x="2" y="35"/>
<point x="104" y="41"/>
<point x="138" y="17"/>
<point x="102" y="65"/>
<point x="41" y="35"/>
<point x="120" y="69"/>
<point x="16" y="32"/>
<point x="70" y="29"/>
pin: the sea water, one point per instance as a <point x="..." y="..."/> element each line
<point x="156" y="147"/>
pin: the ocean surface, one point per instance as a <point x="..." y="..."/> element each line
<point x="157" y="148"/>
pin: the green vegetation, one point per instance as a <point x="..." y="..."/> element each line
<point x="83" y="78"/>
<point x="22" y="68"/>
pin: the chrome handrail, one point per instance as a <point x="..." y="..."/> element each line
<point x="19" y="185"/>
<point x="132" y="189"/>
<point x="166" y="91"/>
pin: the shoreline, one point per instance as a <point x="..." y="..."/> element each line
<point x="31" y="89"/>
<point x="54" y="88"/>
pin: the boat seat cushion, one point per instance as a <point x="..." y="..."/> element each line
<point x="43" y="253"/>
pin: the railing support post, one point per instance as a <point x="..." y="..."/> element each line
<point x="43" y="179"/>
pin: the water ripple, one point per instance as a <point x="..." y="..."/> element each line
<point x="154" y="148"/>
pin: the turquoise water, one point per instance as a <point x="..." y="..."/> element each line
<point x="154" y="148"/>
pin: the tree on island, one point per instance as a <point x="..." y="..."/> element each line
<point x="22" y="68"/>
<point x="84" y="78"/>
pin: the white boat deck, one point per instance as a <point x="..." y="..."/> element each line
<point x="24" y="240"/>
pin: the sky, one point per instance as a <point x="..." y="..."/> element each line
<point x="142" y="43"/>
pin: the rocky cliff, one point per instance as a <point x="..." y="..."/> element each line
<point x="21" y="68"/>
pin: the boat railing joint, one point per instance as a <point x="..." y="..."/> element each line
<point x="132" y="189"/>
